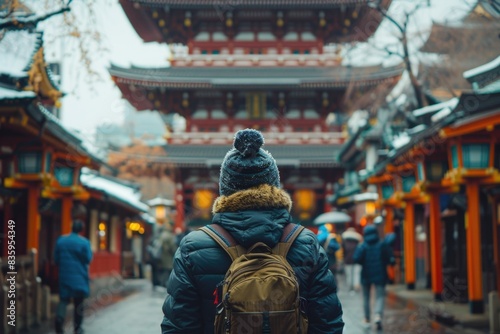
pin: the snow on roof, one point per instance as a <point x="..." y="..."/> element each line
<point x="401" y="140"/>
<point x="452" y="103"/>
<point x="17" y="48"/>
<point x="148" y="218"/>
<point x="160" y="201"/>
<point x="441" y="114"/>
<point x="365" y="197"/>
<point x="121" y="192"/>
<point x="14" y="94"/>
<point x="483" y="68"/>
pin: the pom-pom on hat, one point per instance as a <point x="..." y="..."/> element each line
<point x="247" y="165"/>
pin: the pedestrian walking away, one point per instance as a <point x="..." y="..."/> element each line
<point x="72" y="256"/>
<point x="374" y="255"/>
<point x="251" y="214"/>
<point x="350" y="241"/>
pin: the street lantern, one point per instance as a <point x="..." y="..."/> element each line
<point x="433" y="170"/>
<point x="387" y="190"/>
<point x="65" y="175"/>
<point x="471" y="154"/>
<point x="33" y="159"/>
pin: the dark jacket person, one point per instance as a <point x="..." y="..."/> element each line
<point x="72" y="256"/>
<point x="252" y="208"/>
<point x="374" y="256"/>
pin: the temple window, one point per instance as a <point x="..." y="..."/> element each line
<point x="245" y="36"/>
<point x="293" y="114"/>
<point x="308" y="36"/>
<point x="219" y="37"/>
<point x="291" y="36"/>
<point x="202" y="37"/>
<point x="241" y="114"/>
<point x="265" y="36"/>
<point x="311" y="114"/>
<point x="218" y="114"/>
<point x="200" y="114"/>
<point x="256" y="104"/>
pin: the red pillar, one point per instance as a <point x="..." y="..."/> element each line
<point x="409" y="244"/>
<point x="179" y="206"/>
<point x="435" y="239"/>
<point x="66" y="206"/>
<point x="474" y="265"/>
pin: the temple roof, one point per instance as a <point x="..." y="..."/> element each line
<point x="285" y="155"/>
<point x="250" y="3"/>
<point x="254" y="77"/>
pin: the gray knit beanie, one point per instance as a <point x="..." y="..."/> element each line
<point x="247" y="165"/>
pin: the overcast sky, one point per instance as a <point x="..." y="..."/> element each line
<point x="93" y="102"/>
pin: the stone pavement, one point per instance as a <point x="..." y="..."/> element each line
<point x="141" y="313"/>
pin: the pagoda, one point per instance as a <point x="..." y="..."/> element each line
<point x="270" y="65"/>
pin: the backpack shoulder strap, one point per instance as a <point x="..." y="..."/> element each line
<point x="224" y="239"/>
<point x="290" y="233"/>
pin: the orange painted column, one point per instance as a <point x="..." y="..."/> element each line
<point x="474" y="265"/>
<point x="389" y="220"/>
<point x="435" y="240"/>
<point x="409" y="245"/>
<point x="66" y="206"/>
<point x="496" y="240"/>
<point x="389" y="228"/>
<point x="179" y="207"/>
<point x="33" y="218"/>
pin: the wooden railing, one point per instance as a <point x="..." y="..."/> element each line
<point x="23" y="299"/>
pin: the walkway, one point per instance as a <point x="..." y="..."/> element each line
<point x="141" y="313"/>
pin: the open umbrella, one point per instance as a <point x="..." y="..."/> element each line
<point x="334" y="217"/>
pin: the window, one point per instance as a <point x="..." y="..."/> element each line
<point x="202" y="37"/>
<point x="293" y="114"/>
<point x="218" y="114"/>
<point x="291" y="36"/>
<point x="246" y="36"/>
<point x="311" y="114"/>
<point x="219" y="37"/>
<point x="256" y="105"/>
<point x="241" y="114"/>
<point x="200" y="114"/>
<point x="308" y="36"/>
<point x="265" y="36"/>
<point x="271" y="114"/>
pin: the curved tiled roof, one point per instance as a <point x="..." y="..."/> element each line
<point x="285" y="155"/>
<point x="254" y="77"/>
<point x="224" y="4"/>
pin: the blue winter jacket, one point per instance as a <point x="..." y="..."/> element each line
<point x="252" y="215"/>
<point x="72" y="256"/>
<point x="374" y="256"/>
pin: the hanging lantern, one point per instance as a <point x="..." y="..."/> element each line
<point x="203" y="199"/>
<point x="185" y="100"/>
<point x="279" y="21"/>
<point x="229" y="19"/>
<point x="187" y="19"/>
<point x="322" y="20"/>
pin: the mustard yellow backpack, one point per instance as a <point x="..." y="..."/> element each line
<point x="260" y="292"/>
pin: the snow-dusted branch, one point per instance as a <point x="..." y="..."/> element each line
<point x="15" y="21"/>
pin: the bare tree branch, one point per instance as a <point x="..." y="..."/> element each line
<point x="31" y="20"/>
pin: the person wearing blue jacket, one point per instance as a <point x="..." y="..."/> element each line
<point x="252" y="208"/>
<point x="374" y="255"/>
<point x="72" y="256"/>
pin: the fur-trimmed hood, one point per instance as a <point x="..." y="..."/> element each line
<point x="262" y="197"/>
<point x="256" y="214"/>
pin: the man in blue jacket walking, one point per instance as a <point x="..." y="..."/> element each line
<point x="374" y="255"/>
<point x="72" y="257"/>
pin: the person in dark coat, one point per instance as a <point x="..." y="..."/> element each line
<point x="374" y="255"/>
<point x="72" y="256"/>
<point x="350" y="241"/>
<point x="252" y="208"/>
